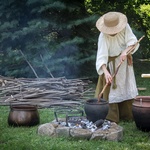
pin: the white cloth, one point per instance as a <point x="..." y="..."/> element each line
<point x="125" y="79"/>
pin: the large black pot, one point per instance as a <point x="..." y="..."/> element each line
<point x="23" y="115"/>
<point x="141" y="112"/>
<point x="95" y="110"/>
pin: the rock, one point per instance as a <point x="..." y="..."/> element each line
<point x="55" y="125"/>
<point x="97" y="135"/>
<point x="46" y="129"/>
<point x="62" y="131"/>
<point x="114" y="133"/>
<point x="80" y="133"/>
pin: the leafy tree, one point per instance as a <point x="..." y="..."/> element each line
<point x="59" y="37"/>
<point x="144" y="12"/>
<point x="138" y="14"/>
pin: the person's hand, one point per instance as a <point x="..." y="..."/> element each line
<point x="125" y="54"/>
<point x="108" y="76"/>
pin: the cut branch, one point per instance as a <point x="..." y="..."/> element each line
<point x="29" y="64"/>
<point x="43" y="91"/>
<point x="48" y="70"/>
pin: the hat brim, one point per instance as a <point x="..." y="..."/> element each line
<point x="112" y="30"/>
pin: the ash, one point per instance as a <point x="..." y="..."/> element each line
<point x="86" y="124"/>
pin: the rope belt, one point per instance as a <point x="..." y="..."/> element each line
<point x="114" y="67"/>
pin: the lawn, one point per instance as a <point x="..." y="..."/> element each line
<point x="26" y="138"/>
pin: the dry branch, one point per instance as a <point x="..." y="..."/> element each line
<point x="42" y="90"/>
<point x="29" y="64"/>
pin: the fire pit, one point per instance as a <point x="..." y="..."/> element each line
<point x="74" y="119"/>
<point x="76" y="125"/>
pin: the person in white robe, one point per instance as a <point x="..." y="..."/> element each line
<point x="115" y="39"/>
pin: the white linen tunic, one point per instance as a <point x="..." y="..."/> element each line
<point x="125" y="79"/>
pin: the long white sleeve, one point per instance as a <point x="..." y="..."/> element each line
<point x="102" y="54"/>
<point x="130" y="38"/>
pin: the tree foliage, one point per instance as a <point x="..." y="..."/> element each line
<point x="137" y="12"/>
<point x="144" y="12"/>
<point x="49" y="33"/>
<point x="58" y="37"/>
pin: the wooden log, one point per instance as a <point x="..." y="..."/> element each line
<point x="42" y="90"/>
<point x="142" y="89"/>
<point x="145" y="75"/>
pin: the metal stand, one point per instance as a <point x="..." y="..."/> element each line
<point x="69" y="112"/>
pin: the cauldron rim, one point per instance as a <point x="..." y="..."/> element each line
<point x="143" y="97"/>
<point x="141" y="101"/>
<point x="23" y="107"/>
<point x="140" y="106"/>
<point x="94" y="101"/>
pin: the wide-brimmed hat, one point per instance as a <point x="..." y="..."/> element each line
<point x="111" y="22"/>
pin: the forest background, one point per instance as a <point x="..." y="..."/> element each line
<point x="54" y="38"/>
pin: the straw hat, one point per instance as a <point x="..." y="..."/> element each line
<point x="111" y="22"/>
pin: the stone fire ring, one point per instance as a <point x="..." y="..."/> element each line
<point x="52" y="129"/>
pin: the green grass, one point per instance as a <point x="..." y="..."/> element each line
<point x="26" y="138"/>
<point x="142" y="67"/>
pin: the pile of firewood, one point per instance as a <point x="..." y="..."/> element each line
<point x="42" y="91"/>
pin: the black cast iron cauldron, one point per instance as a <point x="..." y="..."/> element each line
<point x="141" y="112"/>
<point x="23" y="115"/>
<point x="95" y="110"/>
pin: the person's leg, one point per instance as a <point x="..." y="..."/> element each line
<point x="125" y="110"/>
<point x="113" y="113"/>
